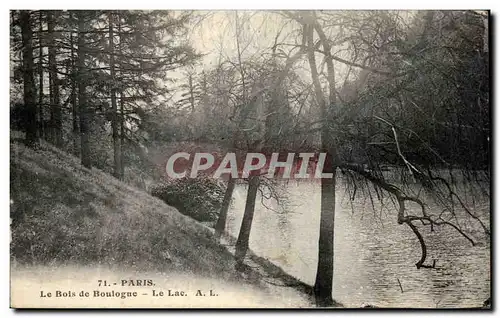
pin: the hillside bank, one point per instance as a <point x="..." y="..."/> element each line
<point x="70" y="223"/>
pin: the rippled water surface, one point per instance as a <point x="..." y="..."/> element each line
<point x="372" y="251"/>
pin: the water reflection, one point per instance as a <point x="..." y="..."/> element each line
<point x="372" y="252"/>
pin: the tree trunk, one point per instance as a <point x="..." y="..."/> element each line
<point x="323" y="285"/>
<point x="40" y="76"/>
<point x="191" y="92"/>
<point x="253" y="181"/>
<point x="221" y="221"/>
<point x="122" y="111"/>
<point x="55" y="107"/>
<point x="74" y="105"/>
<point x="246" y="224"/>
<point x="82" y="98"/>
<point x="122" y="138"/>
<point x="29" y="119"/>
<point x="115" y="118"/>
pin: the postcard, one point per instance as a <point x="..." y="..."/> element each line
<point x="250" y="159"/>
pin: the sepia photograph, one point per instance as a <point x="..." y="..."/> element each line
<point x="272" y="159"/>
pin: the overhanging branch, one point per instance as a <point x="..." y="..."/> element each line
<point x="402" y="217"/>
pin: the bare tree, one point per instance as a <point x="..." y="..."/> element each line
<point x="324" y="274"/>
<point x="339" y="125"/>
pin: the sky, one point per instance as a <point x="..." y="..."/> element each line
<point x="215" y="34"/>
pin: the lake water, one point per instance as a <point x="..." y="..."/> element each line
<point x="372" y="251"/>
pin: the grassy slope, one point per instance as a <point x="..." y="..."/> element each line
<point x="65" y="214"/>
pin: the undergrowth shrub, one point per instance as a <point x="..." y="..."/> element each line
<point x="199" y="198"/>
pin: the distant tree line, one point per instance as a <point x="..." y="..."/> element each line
<point x="85" y="73"/>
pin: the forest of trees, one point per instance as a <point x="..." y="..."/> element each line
<point x="371" y="89"/>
